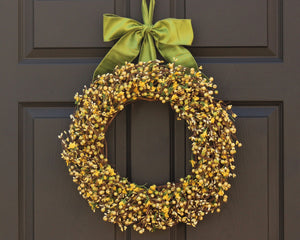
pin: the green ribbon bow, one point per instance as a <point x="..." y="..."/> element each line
<point x="168" y="34"/>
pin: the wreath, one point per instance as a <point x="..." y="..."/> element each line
<point x="191" y="95"/>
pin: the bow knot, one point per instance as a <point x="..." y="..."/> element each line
<point x="147" y="28"/>
<point x="167" y="35"/>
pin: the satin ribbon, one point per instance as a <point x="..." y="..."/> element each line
<point x="140" y="39"/>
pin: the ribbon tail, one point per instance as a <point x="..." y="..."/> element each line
<point x="125" y="50"/>
<point x="177" y="54"/>
<point x="148" y="51"/>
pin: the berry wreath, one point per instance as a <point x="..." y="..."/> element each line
<point x="191" y="95"/>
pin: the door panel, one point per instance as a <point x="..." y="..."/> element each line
<point x="72" y="29"/>
<point x="50" y="49"/>
<point x="66" y="24"/>
<point x="48" y="192"/>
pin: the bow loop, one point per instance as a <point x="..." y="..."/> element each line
<point x="114" y="26"/>
<point x="140" y="39"/>
<point x="174" y="31"/>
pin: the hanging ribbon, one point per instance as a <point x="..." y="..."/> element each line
<point x="136" y="38"/>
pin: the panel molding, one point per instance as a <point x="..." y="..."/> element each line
<point x="272" y="111"/>
<point x="273" y="52"/>
<point x="28" y="53"/>
<point x="28" y="112"/>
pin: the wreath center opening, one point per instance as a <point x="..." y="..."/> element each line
<point x="153" y="127"/>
